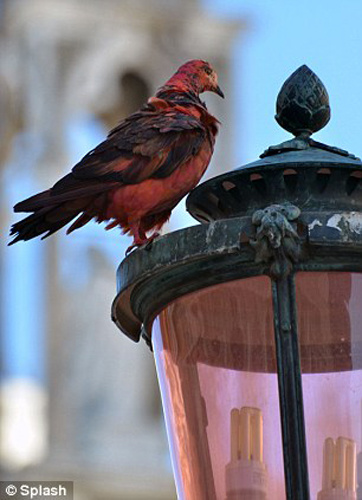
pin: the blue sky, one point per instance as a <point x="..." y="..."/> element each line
<point x="282" y="35"/>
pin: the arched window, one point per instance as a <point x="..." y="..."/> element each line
<point x="133" y="93"/>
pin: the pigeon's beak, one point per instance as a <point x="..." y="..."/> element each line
<point x="219" y="92"/>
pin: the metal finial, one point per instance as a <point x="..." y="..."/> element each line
<point x="303" y="103"/>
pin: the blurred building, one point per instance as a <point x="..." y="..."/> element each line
<point x="78" y="401"/>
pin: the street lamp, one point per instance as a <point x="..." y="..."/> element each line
<point x="255" y="320"/>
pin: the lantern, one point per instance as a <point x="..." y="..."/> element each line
<point x="255" y="320"/>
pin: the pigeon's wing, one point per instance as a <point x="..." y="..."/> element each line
<point x="145" y="145"/>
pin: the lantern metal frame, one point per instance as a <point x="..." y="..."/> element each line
<point x="298" y="208"/>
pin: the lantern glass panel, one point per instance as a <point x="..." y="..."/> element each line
<point x="216" y="364"/>
<point x="330" y="332"/>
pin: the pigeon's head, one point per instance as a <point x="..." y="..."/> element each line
<point x="197" y="76"/>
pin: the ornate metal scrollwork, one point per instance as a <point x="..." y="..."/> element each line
<point x="276" y="241"/>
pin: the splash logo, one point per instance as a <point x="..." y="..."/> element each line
<point x="17" y="490"/>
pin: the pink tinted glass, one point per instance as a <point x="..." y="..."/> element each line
<point x="216" y="365"/>
<point x="330" y="331"/>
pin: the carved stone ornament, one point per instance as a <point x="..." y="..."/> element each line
<point x="276" y="241"/>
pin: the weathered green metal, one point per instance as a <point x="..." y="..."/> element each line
<point x="298" y="208"/>
<point x="203" y="255"/>
<point x="290" y="389"/>
<point x="311" y="178"/>
<point x="277" y="241"/>
<point x="303" y="103"/>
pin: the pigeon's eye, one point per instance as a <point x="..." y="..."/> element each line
<point x="208" y="70"/>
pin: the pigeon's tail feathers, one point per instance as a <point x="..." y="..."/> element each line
<point x="54" y="208"/>
<point x="46" y="220"/>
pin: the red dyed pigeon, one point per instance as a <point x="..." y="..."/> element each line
<point x="147" y="164"/>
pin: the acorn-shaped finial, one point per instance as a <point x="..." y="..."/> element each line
<point x="303" y="103"/>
